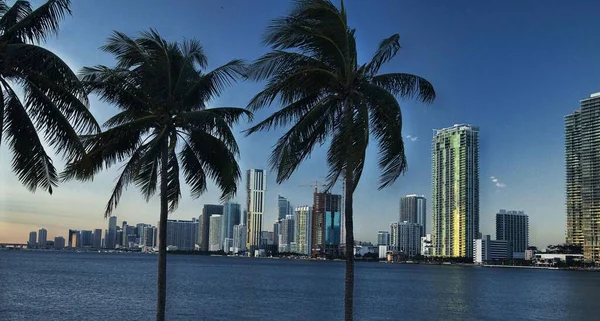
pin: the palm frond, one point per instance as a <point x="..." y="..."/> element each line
<point x="286" y="115"/>
<point x="200" y="118"/>
<point x="388" y="48"/>
<point x="280" y="62"/>
<point x="127" y="51"/>
<point x="30" y="162"/>
<point x="386" y="121"/>
<point x="406" y="86"/>
<point x="40" y="23"/>
<point x="116" y="86"/>
<point x="212" y="84"/>
<point x="146" y="177"/>
<point x="193" y="172"/>
<point x="2" y="107"/>
<point x="13" y="14"/>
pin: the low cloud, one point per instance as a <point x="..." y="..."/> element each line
<point x="412" y="138"/>
<point x="497" y="182"/>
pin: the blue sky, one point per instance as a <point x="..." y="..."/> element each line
<point x="513" y="68"/>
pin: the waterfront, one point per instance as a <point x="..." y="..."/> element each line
<point x="105" y="286"/>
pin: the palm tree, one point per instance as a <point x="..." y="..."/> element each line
<point x="163" y="125"/>
<point x="325" y="94"/>
<point x="54" y="101"/>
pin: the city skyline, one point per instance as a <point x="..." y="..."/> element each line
<point x="513" y="174"/>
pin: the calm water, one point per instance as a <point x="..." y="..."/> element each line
<point x="94" y="286"/>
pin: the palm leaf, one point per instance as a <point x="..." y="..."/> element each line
<point x="12" y="15"/>
<point x="388" y="48"/>
<point x="38" y="24"/>
<point x="406" y="86"/>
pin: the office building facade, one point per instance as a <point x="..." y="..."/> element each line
<point x="215" y="243"/>
<point x="383" y="238"/>
<point x="87" y="239"/>
<point x="582" y="165"/>
<point x="394" y="236"/>
<point x="239" y="239"/>
<point x="111" y="236"/>
<point x="409" y="238"/>
<point x="413" y="209"/>
<point x="256" y="188"/>
<point x="486" y="250"/>
<point x="97" y="239"/>
<point x="286" y="235"/>
<point x="232" y="216"/>
<point x="284" y="208"/>
<point x="182" y="234"/>
<point x="42" y="238"/>
<point x="32" y="242"/>
<point x="455" y="190"/>
<point x="513" y="226"/>
<point x="59" y="243"/>
<point x="303" y="216"/>
<point x="204" y="226"/>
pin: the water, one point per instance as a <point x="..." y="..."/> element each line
<point x="95" y="286"/>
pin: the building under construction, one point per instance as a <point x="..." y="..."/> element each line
<point x="326" y="224"/>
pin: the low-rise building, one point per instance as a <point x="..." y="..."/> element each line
<point x="485" y="250"/>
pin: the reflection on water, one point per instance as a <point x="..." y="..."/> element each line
<point x="93" y="286"/>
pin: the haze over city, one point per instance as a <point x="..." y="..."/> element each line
<point x="509" y="72"/>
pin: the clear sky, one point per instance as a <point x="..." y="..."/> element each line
<point x="513" y="68"/>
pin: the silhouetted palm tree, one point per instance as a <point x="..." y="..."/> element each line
<point x="163" y="125"/>
<point x="314" y="73"/>
<point x="54" y="101"/>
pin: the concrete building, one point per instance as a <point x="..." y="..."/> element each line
<point x="582" y="165"/>
<point x="513" y="226"/>
<point x="394" y="236"/>
<point x="383" y="238"/>
<point x="215" y="243"/>
<point x="413" y="209"/>
<point x="97" y="239"/>
<point x="239" y="238"/>
<point x="182" y="234"/>
<point x="326" y="223"/>
<point x="150" y="237"/>
<point x="204" y="226"/>
<point x="232" y="215"/>
<point x="32" y="239"/>
<point x="383" y="250"/>
<point x="87" y="239"/>
<point x="303" y="229"/>
<point x="286" y="235"/>
<point x="59" y="243"/>
<point x="486" y="250"/>
<point x="256" y="188"/>
<point x="111" y="236"/>
<point x="74" y="240"/>
<point x="409" y="238"/>
<point x="284" y="208"/>
<point x="42" y="238"/>
<point x="426" y="245"/>
<point x="455" y="190"/>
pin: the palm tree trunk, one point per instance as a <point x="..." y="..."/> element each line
<point x="349" y="224"/>
<point x="162" y="236"/>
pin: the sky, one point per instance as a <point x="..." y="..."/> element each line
<point x="513" y="68"/>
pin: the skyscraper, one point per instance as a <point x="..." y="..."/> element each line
<point x="394" y="236"/>
<point x="513" y="226"/>
<point x="284" y="208"/>
<point x="123" y="240"/>
<point x="59" y="243"/>
<point x="239" y="238"/>
<point x="97" y="243"/>
<point x="231" y="216"/>
<point x="215" y="243"/>
<point x="326" y="223"/>
<point x="86" y="238"/>
<point x="303" y="229"/>
<point x="455" y="190"/>
<point x="413" y="209"/>
<point x="111" y="236"/>
<point x="42" y="237"/>
<point x="204" y="228"/>
<point x="286" y="236"/>
<point x="582" y="164"/>
<point x="149" y="236"/>
<point x="182" y="234"/>
<point x="32" y="239"/>
<point x="256" y="187"/>
<point x="383" y="238"/>
<point x="409" y="238"/>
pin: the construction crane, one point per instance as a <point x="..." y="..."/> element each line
<point x="315" y="185"/>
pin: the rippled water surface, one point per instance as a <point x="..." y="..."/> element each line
<point x="98" y="286"/>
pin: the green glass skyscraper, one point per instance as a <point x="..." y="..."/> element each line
<point x="455" y="190"/>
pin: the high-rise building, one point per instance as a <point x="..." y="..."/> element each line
<point x="256" y="188"/>
<point x="582" y="164"/>
<point x="409" y="238"/>
<point x="42" y="237"/>
<point x="149" y="236"/>
<point x="303" y="216"/>
<point x="32" y="239"/>
<point x="326" y="223"/>
<point x="286" y="236"/>
<point x="204" y="228"/>
<point x="455" y="190"/>
<point x="123" y="240"/>
<point x="97" y="243"/>
<point x="485" y="250"/>
<point x="231" y="216"/>
<point x="513" y="226"/>
<point x="383" y="238"/>
<point x="277" y="231"/>
<point x="284" y="208"/>
<point x="87" y="239"/>
<point x="413" y="209"/>
<point x="239" y="238"/>
<point x="59" y="243"/>
<point x="74" y="239"/>
<point x="394" y="236"/>
<point x="215" y="243"/>
<point x="111" y="236"/>
<point x="182" y="234"/>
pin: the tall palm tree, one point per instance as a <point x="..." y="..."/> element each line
<point x="54" y="101"/>
<point x="163" y="125"/>
<point x="314" y="73"/>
